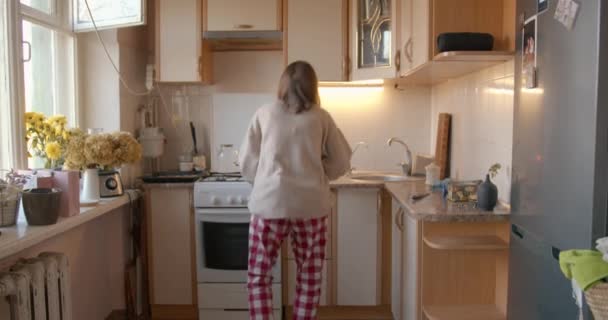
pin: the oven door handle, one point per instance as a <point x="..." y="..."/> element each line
<point x="220" y="218"/>
<point x="223" y="215"/>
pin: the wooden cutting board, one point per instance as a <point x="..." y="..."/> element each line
<point x="442" y="149"/>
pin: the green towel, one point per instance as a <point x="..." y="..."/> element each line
<point x="586" y="267"/>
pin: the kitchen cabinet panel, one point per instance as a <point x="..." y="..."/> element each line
<point x="421" y="43"/>
<point x="373" y="39"/>
<point x="411" y="268"/>
<point x="405" y="40"/>
<point x="397" y="261"/>
<point x="243" y="15"/>
<point x="317" y="32"/>
<point x="181" y="55"/>
<point x="170" y="237"/>
<point x="358" y="253"/>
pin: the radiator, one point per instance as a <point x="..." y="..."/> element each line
<point x="38" y="288"/>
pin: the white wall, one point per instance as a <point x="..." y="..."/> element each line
<point x="372" y="115"/>
<point x="98" y="252"/>
<point x="99" y="97"/>
<point x="104" y="102"/>
<point x="481" y="105"/>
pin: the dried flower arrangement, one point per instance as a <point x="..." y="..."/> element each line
<point x="103" y="151"/>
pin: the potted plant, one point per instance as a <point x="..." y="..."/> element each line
<point x="487" y="193"/>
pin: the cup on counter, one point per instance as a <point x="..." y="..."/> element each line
<point x="186" y="166"/>
<point x="185" y="163"/>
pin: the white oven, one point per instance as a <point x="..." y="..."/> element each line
<point x="222" y="250"/>
<point x="222" y="238"/>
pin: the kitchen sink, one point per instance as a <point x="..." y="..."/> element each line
<point x="381" y="177"/>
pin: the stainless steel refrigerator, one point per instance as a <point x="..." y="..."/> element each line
<point x="560" y="157"/>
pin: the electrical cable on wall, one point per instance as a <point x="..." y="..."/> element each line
<point x="117" y="70"/>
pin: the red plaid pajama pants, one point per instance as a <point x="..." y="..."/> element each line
<point x="308" y="238"/>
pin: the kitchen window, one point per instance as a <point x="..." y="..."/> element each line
<point x="108" y="14"/>
<point x="48" y="60"/>
<point x="6" y="160"/>
<point x="38" y="61"/>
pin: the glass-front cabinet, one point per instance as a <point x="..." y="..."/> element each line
<point x="374" y="52"/>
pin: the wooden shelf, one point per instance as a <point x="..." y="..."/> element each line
<point x="454" y="64"/>
<point x="465" y="312"/>
<point x="466" y="243"/>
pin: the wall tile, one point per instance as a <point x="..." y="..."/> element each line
<point x="481" y="105"/>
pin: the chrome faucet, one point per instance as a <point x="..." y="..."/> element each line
<point x="357" y="146"/>
<point x="406" y="165"/>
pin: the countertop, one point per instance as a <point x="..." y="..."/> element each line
<point x="345" y="182"/>
<point x="434" y="208"/>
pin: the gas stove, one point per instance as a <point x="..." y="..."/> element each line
<point x="222" y="190"/>
<point x="224" y="177"/>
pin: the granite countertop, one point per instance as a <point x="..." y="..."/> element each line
<point x="434" y="208"/>
<point x="346" y="182"/>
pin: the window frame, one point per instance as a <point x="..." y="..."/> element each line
<point x="86" y="27"/>
<point x="59" y="21"/>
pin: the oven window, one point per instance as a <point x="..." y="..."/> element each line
<point x="226" y="245"/>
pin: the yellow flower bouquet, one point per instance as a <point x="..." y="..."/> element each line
<point x="47" y="138"/>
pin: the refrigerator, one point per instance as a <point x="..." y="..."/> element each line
<point x="560" y="157"/>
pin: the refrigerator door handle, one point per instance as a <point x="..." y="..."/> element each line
<point x="555" y="253"/>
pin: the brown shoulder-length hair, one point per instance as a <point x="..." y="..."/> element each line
<point x="299" y="87"/>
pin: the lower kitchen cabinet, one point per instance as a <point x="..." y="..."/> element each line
<point x="397" y="258"/>
<point x="465" y="270"/>
<point x="410" y="268"/>
<point x="358" y="245"/>
<point x="171" y="267"/>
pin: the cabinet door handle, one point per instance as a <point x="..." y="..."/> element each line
<point x="243" y="26"/>
<point x="345" y="68"/>
<point x="399" y="219"/>
<point x="407" y="50"/>
<point x="398" y="61"/>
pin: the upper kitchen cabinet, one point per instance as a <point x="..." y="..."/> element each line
<point x="181" y="54"/>
<point x="243" y="15"/>
<point x="373" y="40"/>
<point x="317" y="32"/>
<point x="422" y="21"/>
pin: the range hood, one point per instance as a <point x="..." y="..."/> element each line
<point x="243" y="35"/>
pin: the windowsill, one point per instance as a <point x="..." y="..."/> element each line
<point x="22" y="236"/>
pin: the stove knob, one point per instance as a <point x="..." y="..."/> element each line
<point x="241" y="200"/>
<point x="214" y="200"/>
<point x="231" y="200"/>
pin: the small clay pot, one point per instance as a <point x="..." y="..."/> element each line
<point x="41" y="206"/>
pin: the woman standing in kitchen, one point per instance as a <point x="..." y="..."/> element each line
<point x="292" y="150"/>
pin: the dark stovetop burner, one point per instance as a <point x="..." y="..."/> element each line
<point x="174" y="177"/>
<point x="224" y="177"/>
